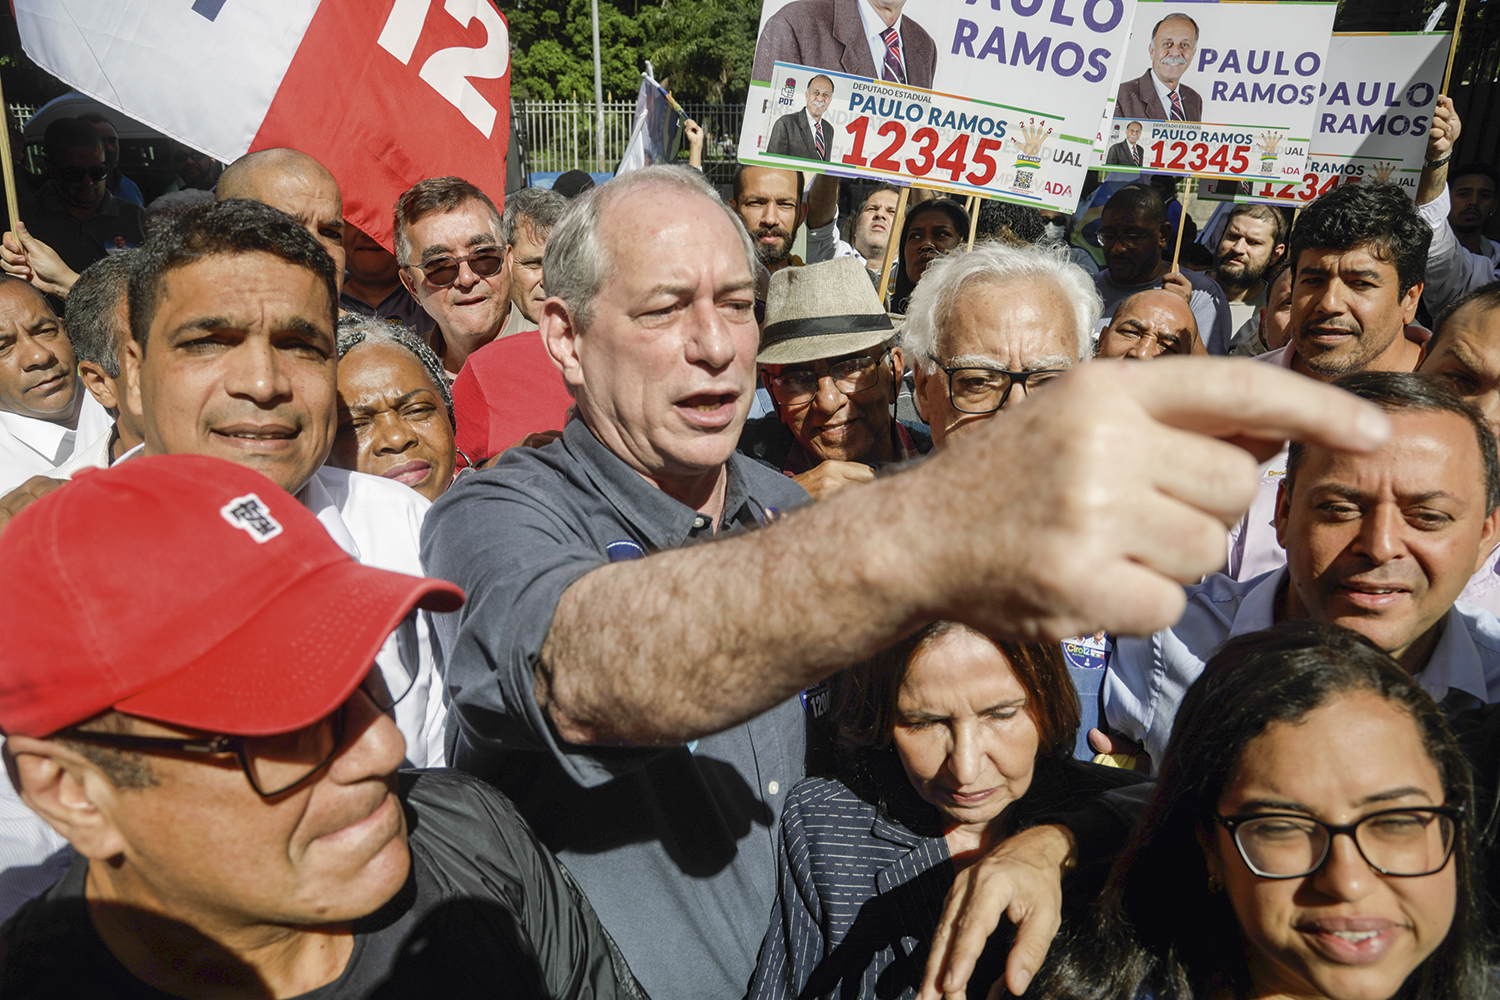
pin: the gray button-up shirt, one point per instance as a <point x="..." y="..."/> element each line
<point x="675" y="846"/>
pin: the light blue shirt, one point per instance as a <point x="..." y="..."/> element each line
<point x="1147" y="678"/>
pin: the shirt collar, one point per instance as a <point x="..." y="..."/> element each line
<point x="875" y="27"/>
<point x="41" y="436"/>
<point x="665" y="523"/>
<point x="316" y="498"/>
<point x="1162" y="90"/>
<point x="1454" y="663"/>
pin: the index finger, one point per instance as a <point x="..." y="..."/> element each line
<point x="1237" y="398"/>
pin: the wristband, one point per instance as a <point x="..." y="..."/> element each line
<point x="1430" y="164"/>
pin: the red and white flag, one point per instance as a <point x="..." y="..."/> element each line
<point x="382" y="92"/>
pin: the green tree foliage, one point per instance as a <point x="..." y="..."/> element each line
<point x="552" y="49"/>
<point x="702" y="50"/>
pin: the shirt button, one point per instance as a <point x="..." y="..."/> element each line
<point x="773" y="787"/>
<point x="700" y="522"/>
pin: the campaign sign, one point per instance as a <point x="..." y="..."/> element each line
<point x="1378" y="95"/>
<point x="1224" y="89"/>
<point x="993" y="97"/>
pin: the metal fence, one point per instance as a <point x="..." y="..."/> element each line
<point x="560" y="135"/>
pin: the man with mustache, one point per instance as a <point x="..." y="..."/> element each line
<point x="1472" y="192"/>
<point x="769" y="202"/>
<point x="1380" y="543"/>
<point x="807" y="136"/>
<point x="1158" y="95"/>
<point x="1358" y="259"/>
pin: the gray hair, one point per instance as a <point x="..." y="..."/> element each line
<point x="540" y="208"/>
<point x="943" y="284"/>
<point x="355" y="329"/>
<point x="578" y="262"/>
<point x="92" y="308"/>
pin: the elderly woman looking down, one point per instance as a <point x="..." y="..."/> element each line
<point x="951" y="742"/>
<point x="395" y="413"/>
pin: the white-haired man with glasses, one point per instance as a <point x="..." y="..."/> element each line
<point x="220" y="754"/>
<point x="829" y="360"/>
<point x="452" y="258"/>
<point x="988" y="328"/>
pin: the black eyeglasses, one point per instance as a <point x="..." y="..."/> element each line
<point x="985" y="390"/>
<point x="1405" y="843"/>
<point x="1131" y="240"/>
<point x="793" y="388"/>
<point x="274" y="764"/>
<point x="75" y="175"/>
<point x="443" y="271"/>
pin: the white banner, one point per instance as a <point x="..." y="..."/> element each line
<point x="999" y="98"/>
<point x="1225" y="89"/>
<point x="1377" y="100"/>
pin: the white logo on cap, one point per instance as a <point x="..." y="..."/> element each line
<point x="251" y="514"/>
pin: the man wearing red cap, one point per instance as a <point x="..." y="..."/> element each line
<point x="219" y="752"/>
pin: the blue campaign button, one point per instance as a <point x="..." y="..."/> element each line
<point x="623" y="550"/>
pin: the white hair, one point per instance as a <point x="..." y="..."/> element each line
<point x="993" y="262"/>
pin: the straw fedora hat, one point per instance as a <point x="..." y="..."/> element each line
<point x="821" y="311"/>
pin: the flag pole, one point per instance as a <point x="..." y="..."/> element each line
<point x="8" y="166"/>
<point x="598" y="97"/>
<point x="890" y="243"/>
<point x="1453" y="47"/>
<point x="974" y="201"/>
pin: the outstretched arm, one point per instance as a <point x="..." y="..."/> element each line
<point x="693" y="641"/>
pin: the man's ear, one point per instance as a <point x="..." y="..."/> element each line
<point x="919" y="391"/>
<point x="801" y="214"/>
<point x="1489" y="534"/>
<point x="131" y="358"/>
<point x="99" y="385"/>
<point x="560" y="335"/>
<point x="898" y="369"/>
<point x="67" y="791"/>
<point x="1409" y="304"/>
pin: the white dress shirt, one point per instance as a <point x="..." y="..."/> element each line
<point x="1147" y="678"/>
<point x="31" y="447"/>
<point x="1164" y="93"/>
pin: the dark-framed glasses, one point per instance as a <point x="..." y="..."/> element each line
<point x="1130" y="240"/>
<point x="985" y="390"/>
<point x="792" y="388"/>
<point x="443" y="271"/>
<point x="1406" y="843"/>
<point x="77" y="175"/>
<point x="275" y="764"/>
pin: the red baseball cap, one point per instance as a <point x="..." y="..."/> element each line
<point x="189" y="591"/>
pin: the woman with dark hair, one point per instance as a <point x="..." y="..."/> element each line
<point x="950" y="741"/>
<point x="1311" y="836"/>
<point x="931" y="229"/>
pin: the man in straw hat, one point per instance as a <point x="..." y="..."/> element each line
<point x="189" y="700"/>
<point x="828" y="357"/>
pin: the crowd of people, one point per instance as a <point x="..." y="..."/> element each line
<point x="594" y="598"/>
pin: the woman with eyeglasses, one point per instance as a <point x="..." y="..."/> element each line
<point x="1310" y="837"/>
<point x="951" y="741"/>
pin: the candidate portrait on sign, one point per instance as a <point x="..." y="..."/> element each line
<point x="1127" y="152"/>
<point x="1159" y="94"/>
<point x="850" y="36"/>
<point x="805" y="133"/>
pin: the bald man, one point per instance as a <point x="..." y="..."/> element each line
<point x="297" y="184"/>
<point x="1148" y="325"/>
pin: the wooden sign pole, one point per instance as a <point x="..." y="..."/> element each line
<point x="890" y="244"/>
